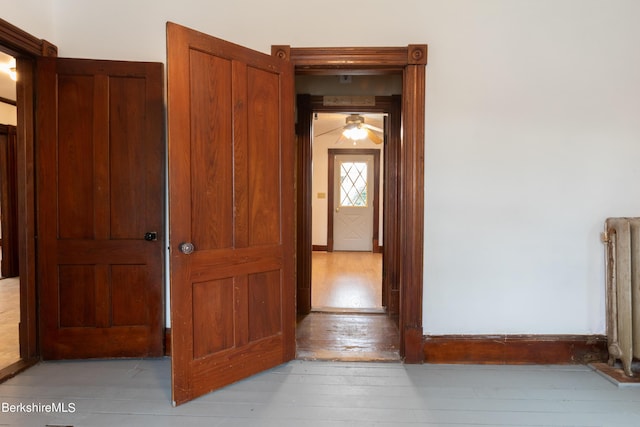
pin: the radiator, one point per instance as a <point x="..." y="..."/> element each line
<point x="622" y="239"/>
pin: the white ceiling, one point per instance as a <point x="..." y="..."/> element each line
<point x="7" y="86"/>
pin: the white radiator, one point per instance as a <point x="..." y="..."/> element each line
<point x="622" y="239"/>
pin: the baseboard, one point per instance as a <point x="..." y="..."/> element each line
<point x="503" y="349"/>
<point x="515" y="349"/>
<point x="324" y="248"/>
<point x="15" y="368"/>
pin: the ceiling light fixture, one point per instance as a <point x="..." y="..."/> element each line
<point x="355" y="133"/>
<point x="10" y="69"/>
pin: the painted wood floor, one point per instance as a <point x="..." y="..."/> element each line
<point x="304" y="393"/>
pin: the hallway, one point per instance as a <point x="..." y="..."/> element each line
<point x="347" y="322"/>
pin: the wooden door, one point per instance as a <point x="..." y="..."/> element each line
<point x="100" y="190"/>
<point x="353" y="202"/>
<point x="231" y="211"/>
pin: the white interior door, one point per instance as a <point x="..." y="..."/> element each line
<point x="353" y="202"/>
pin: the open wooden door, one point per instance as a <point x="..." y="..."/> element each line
<point x="100" y="204"/>
<point x="231" y="211"/>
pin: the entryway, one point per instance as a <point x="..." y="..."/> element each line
<point x="348" y="319"/>
<point x="9" y="264"/>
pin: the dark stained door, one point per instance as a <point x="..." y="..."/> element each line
<point x="100" y="189"/>
<point x="231" y="211"/>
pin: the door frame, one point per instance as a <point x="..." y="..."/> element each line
<point x="25" y="48"/>
<point x="332" y="153"/>
<point x="409" y="61"/>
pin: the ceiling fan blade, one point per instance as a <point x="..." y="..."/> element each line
<point x="329" y="131"/>
<point x="341" y="139"/>
<point x="373" y="137"/>
<point x="374" y="128"/>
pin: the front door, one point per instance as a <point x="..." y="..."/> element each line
<point x="353" y="202"/>
<point x="100" y="208"/>
<point x="231" y="209"/>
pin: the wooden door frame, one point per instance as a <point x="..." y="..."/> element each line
<point x="25" y="48"/>
<point x="409" y="61"/>
<point x="332" y="153"/>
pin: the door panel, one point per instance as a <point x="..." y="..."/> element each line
<point x="231" y="196"/>
<point x="100" y="154"/>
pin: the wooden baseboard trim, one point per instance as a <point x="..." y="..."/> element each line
<point x="324" y="248"/>
<point x="15" y="368"/>
<point x="484" y="349"/>
<point x="515" y="349"/>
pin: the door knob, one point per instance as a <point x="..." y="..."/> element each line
<point x="337" y="209"/>
<point x="151" y="236"/>
<point x="187" y="248"/>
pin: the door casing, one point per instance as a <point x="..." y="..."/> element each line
<point x="409" y="61"/>
<point x="25" y="48"/>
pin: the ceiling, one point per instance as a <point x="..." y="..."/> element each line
<point x="326" y="122"/>
<point x="7" y="86"/>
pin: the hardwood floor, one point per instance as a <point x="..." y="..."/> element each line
<point x="9" y="321"/>
<point x="346" y="280"/>
<point x="347" y="337"/>
<point x="127" y="393"/>
<point x="347" y="322"/>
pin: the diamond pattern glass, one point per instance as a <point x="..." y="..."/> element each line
<point x="353" y="184"/>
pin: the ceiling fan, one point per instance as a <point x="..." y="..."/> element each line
<point x="355" y="129"/>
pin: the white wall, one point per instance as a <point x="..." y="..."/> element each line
<point x="532" y="132"/>
<point x="32" y="16"/>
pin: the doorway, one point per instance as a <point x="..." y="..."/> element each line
<point x="347" y="320"/>
<point x="9" y="274"/>
<point x="404" y="182"/>
<point x="25" y="49"/>
<point x="346" y="204"/>
<point x="354" y="199"/>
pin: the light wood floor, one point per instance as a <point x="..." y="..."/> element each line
<point x="347" y="321"/>
<point x="9" y="321"/>
<point x="346" y="280"/>
<point x="302" y="393"/>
